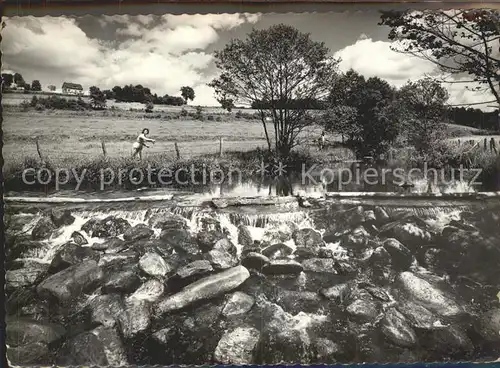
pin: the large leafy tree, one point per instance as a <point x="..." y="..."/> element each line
<point x="187" y="93"/>
<point x="364" y="111"/>
<point x="97" y="98"/>
<point x="422" y="106"/>
<point x="460" y="42"/>
<point x="36" y="85"/>
<point x="275" y="66"/>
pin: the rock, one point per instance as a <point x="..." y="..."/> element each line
<point x="278" y="233"/>
<point x="180" y="240"/>
<point x="23" y="248"/>
<point x="488" y="325"/>
<point x="369" y="216"/>
<point x="206" y="288"/>
<point x="320" y="265"/>
<point x="451" y="342"/>
<point x="134" y="319"/>
<point x="195" y="270"/>
<point x="109" y="227"/>
<point x="244" y="235"/>
<point x="207" y="239"/>
<point x="167" y="221"/>
<point x="401" y="256"/>
<point x="238" y="303"/>
<point x="376" y="292"/>
<point x="397" y="330"/>
<point x="286" y="345"/>
<point x="237" y="346"/>
<point x="138" y="232"/>
<point x="275" y="251"/>
<point x="113" y="346"/>
<point x="409" y="233"/>
<point x="150" y="291"/>
<point x="308" y="238"/>
<point x="418" y="316"/>
<point x="305" y="253"/>
<point x="70" y="255"/>
<point x="61" y="217"/>
<point x="104" y="309"/>
<point x="324" y="350"/>
<point x="30" y="354"/>
<point x="154" y="265"/>
<point x="112" y="245"/>
<point x="84" y="349"/>
<point x="282" y="267"/>
<point x="362" y="310"/>
<point x="66" y="285"/>
<point x="43" y="229"/>
<point x="254" y="261"/>
<point x="381" y="215"/>
<point x="78" y="238"/>
<point x="225" y="245"/>
<point x="326" y="253"/>
<point x="24" y="276"/>
<point x="221" y="260"/>
<point x="121" y="282"/>
<point x="337" y="292"/>
<point x="428" y="295"/>
<point x="118" y="259"/>
<point x="22" y="331"/>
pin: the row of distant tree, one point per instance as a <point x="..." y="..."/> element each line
<point x="127" y="93"/>
<point x="8" y="80"/>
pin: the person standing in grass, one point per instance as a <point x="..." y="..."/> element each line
<point x="142" y="139"/>
<point x="322" y="140"/>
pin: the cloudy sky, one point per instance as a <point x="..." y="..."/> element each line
<point x="167" y="52"/>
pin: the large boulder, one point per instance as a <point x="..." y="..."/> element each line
<point x="154" y="265"/>
<point x="167" y="221"/>
<point x="237" y="346"/>
<point x="113" y="346"/>
<point x="34" y="353"/>
<point x="397" y="330"/>
<point x="308" y="238"/>
<point x="121" y="281"/>
<point x="135" y="318"/>
<point x="70" y="255"/>
<point x="194" y="270"/>
<point x="413" y="287"/>
<point x="138" y="232"/>
<point x="43" y="229"/>
<point x="244" y="236"/>
<point x="181" y="240"/>
<point x="254" y="260"/>
<point x="282" y="267"/>
<point x="104" y="309"/>
<point x="109" y="227"/>
<point x="418" y="316"/>
<point x="238" y="303"/>
<point x="278" y="250"/>
<point x="221" y="259"/>
<point x="69" y="283"/>
<point x="488" y="325"/>
<point x="401" y="255"/>
<point x="207" y="239"/>
<point x="26" y="276"/>
<point x="319" y="265"/>
<point x="206" y="288"/>
<point x="83" y="349"/>
<point x="363" y="310"/>
<point x="150" y="291"/>
<point x="22" y="331"/>
<point x="61" y="217"/>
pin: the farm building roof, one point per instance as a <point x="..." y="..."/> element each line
<point x="72" y="86"/>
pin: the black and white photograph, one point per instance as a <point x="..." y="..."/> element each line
<point x="252" y="188"/>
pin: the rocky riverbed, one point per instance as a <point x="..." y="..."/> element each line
<point x="327" y="284"/>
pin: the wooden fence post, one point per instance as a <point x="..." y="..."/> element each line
<point x="221" y="148"/>
<point x="103" y="145"/>
<point x="39" y="150"/>
<point x="177" y="150"/>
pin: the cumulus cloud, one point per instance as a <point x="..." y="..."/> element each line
<point x="377" y="59"/>
<point x="163" y="53"/>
